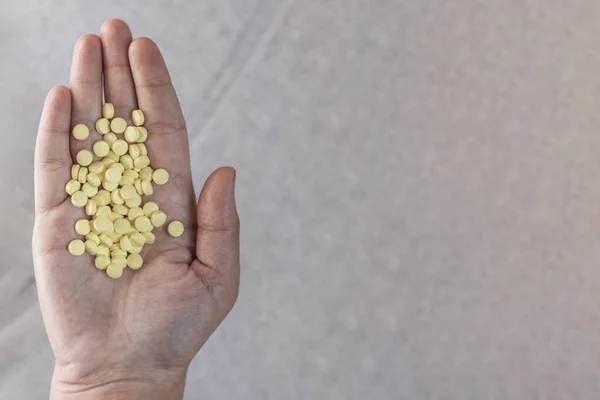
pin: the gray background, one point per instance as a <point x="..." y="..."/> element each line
<point x="419" y="187"/>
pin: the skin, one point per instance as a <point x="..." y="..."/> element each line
<point x="133" y="337"/>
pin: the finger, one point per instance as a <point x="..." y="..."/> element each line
<point x="86" y="88"/>
<point x="218" y="235"/>
<point x="167" y="135"/>
<point x="52" y="157"/>
<point x="119" y="88"/>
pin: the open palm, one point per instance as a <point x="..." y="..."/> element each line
<point x="148" y="325"/>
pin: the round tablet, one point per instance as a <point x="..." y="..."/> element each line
<point x="103" y="126"/>
<point x="81" y="132"/>
<point x="158" y="218"/>
<point x="175" y="229"/>
<point x="128" y="192"/>
<point x="83" y="227"/>
<point x="126" y="161"/>
<point x="137" y="116"/>
<point x="102" y="250"/>
<point x="93" y="237"/>
<point x="107" y="241"/>
<point x="143" y="149"/>
<point x="125" y="243"/>
<point x="132" y="134"/>
<point x="117" y="198"/>
<point x="72" y="186"/>
<point x="147" y="188"/>
<point x="120" y="147"/>
<point x="97" y="168"/>
<point x="114" y="271"/>
<point x="143" y="224"/>
<point x="121" y="261"/>
<point x="108" y="110"/>
<point x="75" y="171"/>
<point x="76" y="247"/>
<point x="135" y="201"/>
<point x="134" y="212"/>
<point x="146" y="173"/>
<point x="82" y="175"/>
<point x="102" y="262"/>
<point x="120" y="209"/>
<point x="113" y="175"/>
<point x="149" y="208"/>
<point x="137" y="184"/>
<point x="143" y="134"/>
<point x="122" y="226"/>
<point x="79" y="199"/>
<point x="118" y="125"/>
<point x="136" y="250"/>
<point x="137" y="240"/>
<point x="101" y="148"/>
<point x="141" y="162"/>
<point x="91" y="207"/>
<point x="135" y="261"/>
<point x="110" y="186"/>
<point x="134" y="151"/>
<point x="91" y="247"/>
<point x="85" y="157"/>
<point x="103" y="211"/>
<point x="149" y="237"/>
<point x="110" y="138"/>
<point x="160" y="176"/>
<point x="89" y="190"/>
<point x="102" y="224"/>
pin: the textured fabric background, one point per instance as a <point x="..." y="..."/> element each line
<point x="419" y="188"/>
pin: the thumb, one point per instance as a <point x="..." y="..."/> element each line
<point x="218" y="236"/>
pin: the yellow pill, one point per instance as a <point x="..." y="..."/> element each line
<point x="107" y="162"/>
<point x="149" y="237"/>
<point x="114" y="216"/>
<point x="137" y="184"/>
<point x="112" y="159"/>
<point x="103" y="126"/>
<point x="122" y="226"/>
<point x="115" y="237"/>
<point x="109" y="186"/>
<point x="141" y="162"/>
<point x="101" y="148"/>
<point x="118" y="125"/>
<point x="137" y="240"/>
<point x="149" y="208"/>
<point x="89" y="190"/>
<point x="121" y="261"/>
<point x="102" y="250"/>
<point x="102" y="261"/>
<point x="118" y="253"/>
<point x="75" y="171"/>
<point x="106" y="240"/>
<point x="102" y="198"/>
<point x="85" y="157"/>
<point x="160" y="176"/>
<point x="143" y="149"/>
<point x="97" y="168"/>
<point x="113" y="175"/>
<point x="76" y="247"/>
<point x="102" y="224"/>
<point x="131" y="173"/>
<point x="93" y="180"/>
<point x="135" y="261"/>
<point x="146" y="173"/>
<point x="93" y="237"/>
<point x="82" y="227"/>
<point x="134" y="151"/>
<point x="125" y="243"/>
<point x="120" y="209"/>
<point x="147" y="188"/>
<point x="175" y="229"/>
<point x="158" y="218"/>
<point x="72" y="186"/>
<point x="128" y="192"/>
<point x="137" y="116"/>
<point x="103" y="211"/>
<point x="91" y="207"/>
<point x="126" y="161"/>
<point x="117" y="198"/>
<point x="135" y="201"/>
<point x="81" y="132"/>
<point x="114" y="271"/>
<point x="136" y="250"/>
<point x="108" y="110"/>
<point x="82" y="176"/>
<point x="143" y="134"/>
<point x="126" y="180"/>
<point x="120" y="147"/>
<point x="134" y="212"/>
<point x="143" y="224"/>
<point x="91" y="247"/>
<point x="119" y="166"/>
<point x="110" y="138"/>
<point x="79" y="199"/>
<point x="132" y="134"/>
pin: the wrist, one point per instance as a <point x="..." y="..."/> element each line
<point x="114" y="384"/>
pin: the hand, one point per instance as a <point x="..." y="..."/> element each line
<point x="133" y="337"/>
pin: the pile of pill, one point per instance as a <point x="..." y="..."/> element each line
<point x="111" y="189"/>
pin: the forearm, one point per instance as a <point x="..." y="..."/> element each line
<point x="163" y="386"/>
